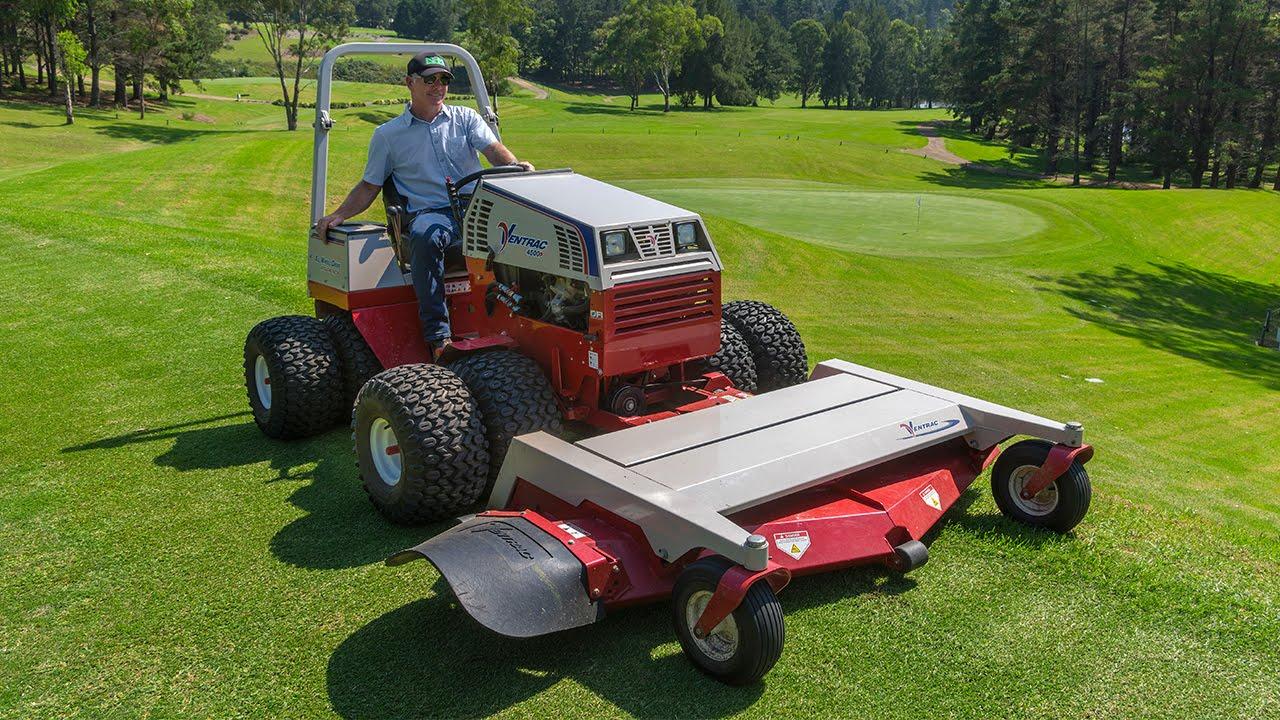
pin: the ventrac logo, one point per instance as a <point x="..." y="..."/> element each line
<point x="926" y="428"/>
<point x="533" y="247"/>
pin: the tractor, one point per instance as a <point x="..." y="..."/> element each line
<point x="634" y="437"/>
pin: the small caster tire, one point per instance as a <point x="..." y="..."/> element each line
<point x="742" y="648"/>
<point x="1059" y="507"/>
<point x="909" y="555"/>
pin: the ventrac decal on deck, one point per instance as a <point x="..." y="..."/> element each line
<point x="533" y="247"/>
<point x="792" y="543"/>
<point x="926" y="428"/>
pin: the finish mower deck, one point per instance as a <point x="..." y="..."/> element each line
<point x="853" y="466"/>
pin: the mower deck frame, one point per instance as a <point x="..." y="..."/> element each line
<point x="680" y="478"/>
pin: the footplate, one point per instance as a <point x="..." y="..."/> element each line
<point x="510" y="575"/>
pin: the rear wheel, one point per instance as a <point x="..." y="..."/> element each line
<point x="419" y="444"/>
<point x="776" y="345"/>
<point x="357" y="359"/>
<point x="1060" y="506"/>
<point x="745" y="645"/>
<point x="292" y="377"/>
<point x="514" y="398"/>
<point x="734" y="358"/>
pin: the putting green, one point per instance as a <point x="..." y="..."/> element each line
<point x="882" y="223"/>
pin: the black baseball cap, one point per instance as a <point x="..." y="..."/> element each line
<point x="427" y="63"/>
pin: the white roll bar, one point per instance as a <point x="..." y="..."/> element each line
<point x="324" y="81"/>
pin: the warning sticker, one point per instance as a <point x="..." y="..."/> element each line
<point x="792" y="543"/>
<point x="456" y="287"/>
<point x="574" y="532"/>
<point x="593" y="359"/>
<point x="931" y="498"/>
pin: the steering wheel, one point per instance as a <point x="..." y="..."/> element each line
<point x="495" y="170"/>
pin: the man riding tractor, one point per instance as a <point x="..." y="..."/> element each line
<point x="420" y="151"/>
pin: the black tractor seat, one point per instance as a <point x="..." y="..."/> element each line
<point x="399" y="220"/>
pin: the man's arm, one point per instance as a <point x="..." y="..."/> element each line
<point x="359" y="199"/>
<point x="498" y="154"/>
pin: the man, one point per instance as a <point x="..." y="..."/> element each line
<point x="419" y="149"/>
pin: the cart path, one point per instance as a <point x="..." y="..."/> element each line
<point x="936" y="149"/>
<point x="538" y="93"/>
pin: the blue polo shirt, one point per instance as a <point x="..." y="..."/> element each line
<point x="422" y="154"/>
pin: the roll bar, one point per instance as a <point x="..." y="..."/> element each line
<point x="324" y="81"/>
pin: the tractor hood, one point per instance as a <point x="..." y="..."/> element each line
<point x="558" y="222"/>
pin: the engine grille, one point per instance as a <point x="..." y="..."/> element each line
<point x="652" y="304"/>
<point x="653" y="241"/>
<point x="476" y="232"/>
<point x="570" y="250"/>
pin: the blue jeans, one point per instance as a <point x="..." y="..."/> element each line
<point x="429" y="235"/>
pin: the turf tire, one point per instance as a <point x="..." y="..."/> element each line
<point x="305" y="380"/>
<point x="444" y="456"/>
<point x="1073" y="489"/>
<point x="734" y="358"/>
<point x="758" y="619"/>
<point x="776" y="346"/>
<point x="356" y="358"/>
<point x="514" y="398"/>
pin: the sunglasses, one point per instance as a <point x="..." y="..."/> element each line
<point x="436" y="79"/>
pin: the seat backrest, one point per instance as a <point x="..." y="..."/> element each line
<point x="391" y="197"/>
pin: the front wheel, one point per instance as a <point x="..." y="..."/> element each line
<point x="745" y="645"/>
<point x="1060" y="506"/>
<point x="419" y="444"/>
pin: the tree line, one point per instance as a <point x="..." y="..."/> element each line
<point x="842" y="53"/>
<point x="1188" y="89"/>
<point x="153" y="42"/>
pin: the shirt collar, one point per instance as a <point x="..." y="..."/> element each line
<point x="409" y="117"/>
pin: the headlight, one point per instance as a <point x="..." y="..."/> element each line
<point x="687" y="236"/>
<point x="615" y="243"/>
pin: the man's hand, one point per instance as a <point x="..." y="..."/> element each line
<point x="528" y="166"/>
<point x="327" y="222"/>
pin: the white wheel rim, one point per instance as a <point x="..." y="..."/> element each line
<point x="262" y="379"/>
<point x="722" y="642"/>
<point x="1044" y="502"/>
<point x="385" y="450"/>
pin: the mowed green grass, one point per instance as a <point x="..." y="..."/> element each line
<point x="159" y="557"/>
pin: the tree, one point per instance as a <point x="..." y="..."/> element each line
<point x="844" y="65"/>
<point x="488" y="37"/>
<point x="425" y="19"/>
<point x="71" y="59"/>
<point x="375" y="13"/>
<point x="808" y="40"/>
<point x="146" y="27"/>
<point x="622" y="54"/>
<point x="669" y="28"/>
<point x="871" y="19"/>
<point x="903" y="64"/>
<point x="703" y="59"/>
<point x="293" y="32"/>
<point x="773" y="66"/>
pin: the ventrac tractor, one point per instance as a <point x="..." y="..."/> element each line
<point x="632" y="437"/>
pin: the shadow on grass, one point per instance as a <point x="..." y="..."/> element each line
<point x="155" y="134"/>
<point x="1208" y="317"/>
<point x="340" y="528"/>
<point x="428" y="658"/>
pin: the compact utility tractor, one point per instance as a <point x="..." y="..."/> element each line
<point x="710" y="466"/>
